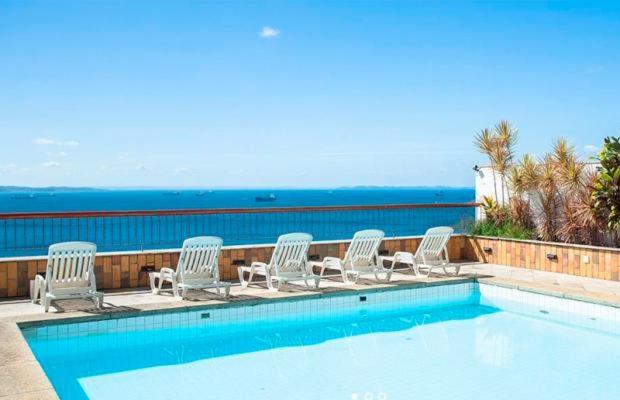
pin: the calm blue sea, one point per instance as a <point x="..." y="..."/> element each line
<point x="28" y="236"/>
<point x="107" y="200"/>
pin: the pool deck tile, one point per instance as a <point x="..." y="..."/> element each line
<point x="21" y="377"/>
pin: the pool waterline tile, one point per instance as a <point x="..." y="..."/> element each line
<point x="303" y="312"/>
<point x="482" y="272"/>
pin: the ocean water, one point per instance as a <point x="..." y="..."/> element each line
<point x="30" y="236"/>
<point x="442" y="345"/>
<point x="108" y="200"/>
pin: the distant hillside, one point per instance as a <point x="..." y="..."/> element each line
<point x="404" y="188"/>
<point x="47" y="189"/>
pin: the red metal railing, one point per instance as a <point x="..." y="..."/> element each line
<point x="32" y="232"/>
<point x="258" y="210"/>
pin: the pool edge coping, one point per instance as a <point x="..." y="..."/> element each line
<point x="162" y="308"/>
<point x="19" y="345"/>
<point x="25" y="368"/>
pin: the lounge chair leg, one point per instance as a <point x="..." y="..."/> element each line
<point x="175" y="290"/>
<point x="152" y="278"/>
<point x="161" y="282"/>
<point x="46" y="303"/>
<point x="270" y="285"/>
<point x="388" y="275"/>
<point x="414" y="268"/>
<point x="36" y="289"/>
<point x="243" y="283"/>
<point x="227" y="290"/>
<point x="317" y="281"/>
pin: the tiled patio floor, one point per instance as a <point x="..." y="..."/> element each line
<point x="119" y="301"/>
<point x="577" y="287"/>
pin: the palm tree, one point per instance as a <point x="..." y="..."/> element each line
<point x="499" y="146"/>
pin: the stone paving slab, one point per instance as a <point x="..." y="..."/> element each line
<point x="569" y="286"/>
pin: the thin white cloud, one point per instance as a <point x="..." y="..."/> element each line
<point x="43" y="141"/>
<point x="182" y="169"/>
<point x="268" y="32"/>
<point x="51" y="164"/>
<point x="595" y="69"/>
<point x="58" y="154"/>
<point x="50" y="142"/>
<point x="8" y="168"/>
<point x="140" y="167"/>
<point x="590" y="148"/>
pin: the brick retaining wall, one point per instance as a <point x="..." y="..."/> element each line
<point x="127" y="270"/>
<point x="587" y="261"/>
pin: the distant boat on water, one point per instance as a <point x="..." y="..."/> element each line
<point x="271" y="197"/>
<point x="27" y="196"/>
<point x="202" y="193"/>
<point x="171" y="193"/>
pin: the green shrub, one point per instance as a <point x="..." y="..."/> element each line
<point x="606" y="188"/>
<point x="507" y="229"/>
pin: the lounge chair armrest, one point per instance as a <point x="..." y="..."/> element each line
<point x="403" y="256"/>
<point x="165" y="273"/>
<point x="332" y="263"/>
<point x="258" y="264"/>
<point x="166" y="270"/>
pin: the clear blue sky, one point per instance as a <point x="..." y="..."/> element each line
<point x="276" y="93"/>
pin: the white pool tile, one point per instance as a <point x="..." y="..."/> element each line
<point x="341" y="306"/>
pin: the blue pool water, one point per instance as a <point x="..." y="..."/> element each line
<point x="426" y="345"/>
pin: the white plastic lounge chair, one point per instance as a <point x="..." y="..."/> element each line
<point x="431" y="253"/>
<point x="362" y="257"/>
<point x="289" y="263"/>
<point x="197" y="268"/>
<point x="70" y="274"/>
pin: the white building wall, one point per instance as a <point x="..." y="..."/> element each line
<point x="488" y="186"/>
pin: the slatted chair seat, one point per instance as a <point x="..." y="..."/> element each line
<point x="70" y="274"/>
<point x="289" y="263"/>
<point x="362" y="258"/>
<point x="197" y="268"/>
<point x="431" y="253"/>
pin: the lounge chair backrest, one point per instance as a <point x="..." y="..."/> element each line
<point x="71" y="265"/>
<point x="290" y="255"/>
<point x="433" y="243"/>
<point x="199" y="258"/>
<point x="364" y="249"/>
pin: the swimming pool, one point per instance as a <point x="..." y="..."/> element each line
<point x="457" y="341"/>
